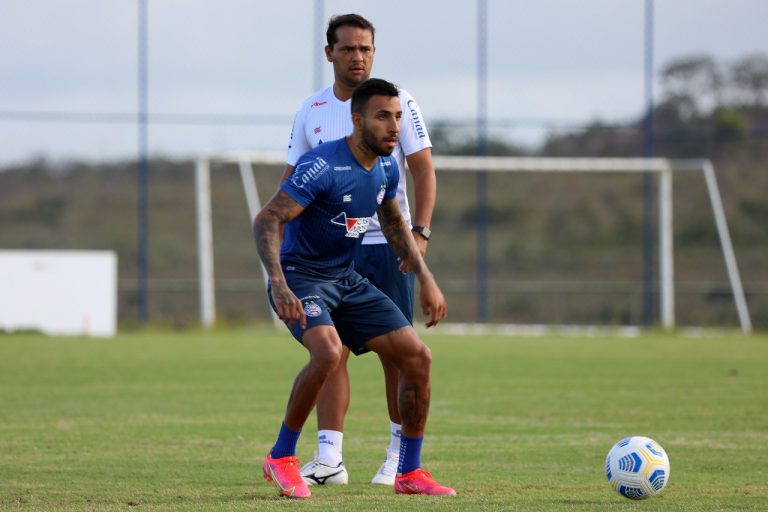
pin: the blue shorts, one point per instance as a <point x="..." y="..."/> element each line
<point x="358" y="310"/>
<point x="378" y="264"/>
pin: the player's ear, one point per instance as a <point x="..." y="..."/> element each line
<point x="328" y="52"/>
<point x="357" y="120"/>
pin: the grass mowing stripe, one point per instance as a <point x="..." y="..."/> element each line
<point x="181" y="421"/>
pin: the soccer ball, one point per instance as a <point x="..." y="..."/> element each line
<point x="637" y="467"/>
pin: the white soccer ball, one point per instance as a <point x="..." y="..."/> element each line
<point x="637" y="467"/>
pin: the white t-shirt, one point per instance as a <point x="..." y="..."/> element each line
<point x="322" y="118"/>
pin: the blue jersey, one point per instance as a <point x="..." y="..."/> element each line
<point x="339" y="197"/>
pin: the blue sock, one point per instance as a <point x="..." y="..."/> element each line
<point x="410" y="454"/>
<point x="286" y="442"/>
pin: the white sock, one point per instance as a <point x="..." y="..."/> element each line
<point x="329" y="446"/>
<point x="394" y="439"/>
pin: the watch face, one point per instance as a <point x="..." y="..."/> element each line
<point x="423" y="231"/>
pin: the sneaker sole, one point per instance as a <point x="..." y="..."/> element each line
<point x="311" y="482"/>
<point x="383" y="481"/>
<point x="268" y="477"/>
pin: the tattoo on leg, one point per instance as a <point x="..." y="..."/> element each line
<point x="414" y="406"/>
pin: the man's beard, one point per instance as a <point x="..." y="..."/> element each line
<point x="374" y="145"/>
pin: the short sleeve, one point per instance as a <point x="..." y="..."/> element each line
<point x="309" y="178"/>
<point x="413" y="131"/>
<point x="298" y="143"/>
<point x="392" y="180"/>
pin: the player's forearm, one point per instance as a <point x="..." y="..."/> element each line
<point x="422" y="272"/>
<point x="424" y="193"/>
<point x="266" y="232"/>
<point x="425" y="204"/>
<point x="401" y="241"/>
<point x="267" y="227"/>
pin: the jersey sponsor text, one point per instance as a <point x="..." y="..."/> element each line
<point x="355" y="226"/>
<point x="309" y="171"/>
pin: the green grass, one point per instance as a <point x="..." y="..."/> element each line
<point x="181" y="421"/>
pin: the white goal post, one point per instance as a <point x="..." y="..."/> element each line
<point x="665" y="168"/>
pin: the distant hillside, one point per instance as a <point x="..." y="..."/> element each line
<point x="562" y="248"/>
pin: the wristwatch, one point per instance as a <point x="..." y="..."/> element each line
<point x="423" y="231"/>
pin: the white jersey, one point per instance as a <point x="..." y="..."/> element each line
<point x="323" y="118"/>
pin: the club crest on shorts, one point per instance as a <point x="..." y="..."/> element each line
<point x="311" y="309"/>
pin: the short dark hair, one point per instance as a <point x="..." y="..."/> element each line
<point x="346" y="20"/>
<point x="371" y="87"/>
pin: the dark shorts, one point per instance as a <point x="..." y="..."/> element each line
<point x="358" y="310"/>
<point x="378" y="263"/>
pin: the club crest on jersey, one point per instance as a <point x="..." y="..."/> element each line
<point x="355" y="226"/>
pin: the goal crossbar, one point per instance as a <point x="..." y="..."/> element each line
<point x="662" y="166"/>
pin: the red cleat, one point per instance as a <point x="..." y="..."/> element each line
<point x="419" y="481"/>
<point x="284" y="473"/>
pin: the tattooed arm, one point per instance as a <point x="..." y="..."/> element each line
<point x="401" y="240"/>
<point x="267" y="227"/>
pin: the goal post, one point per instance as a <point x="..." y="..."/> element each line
<point x="664" y="167"/>
<point x="244" y="160"/>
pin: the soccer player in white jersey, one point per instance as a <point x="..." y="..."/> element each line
<point x="323" y="117"/>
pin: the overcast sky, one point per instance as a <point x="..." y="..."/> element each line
<point x="559" y="60"/>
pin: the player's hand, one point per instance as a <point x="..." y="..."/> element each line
<point x="288" y="306"/>
<point x="404" y="266"/>
<point x="432" y="303"/>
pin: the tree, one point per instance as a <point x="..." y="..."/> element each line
<point x="749" y="76"/>
<point x="693" y="85"/>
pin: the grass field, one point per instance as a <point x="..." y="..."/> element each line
<point x="181" y="421"/>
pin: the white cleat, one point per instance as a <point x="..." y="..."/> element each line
<point x="319" y="473"/>
<point x="386" y="473"/>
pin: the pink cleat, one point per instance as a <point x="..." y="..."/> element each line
<point x="284" y="473"/>
<point x="419" y="481"/>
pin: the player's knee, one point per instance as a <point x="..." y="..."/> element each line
<point x="419" y="360"/>
<point x="328" y="359"/>
<point x="424" y="355"/>
<point x="327" y="356"/>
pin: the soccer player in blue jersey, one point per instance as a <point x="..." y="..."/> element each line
<point x="325" y="115"/>
<point x="325" y="207"/>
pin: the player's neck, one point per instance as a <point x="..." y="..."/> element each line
<point x="362" y="153"/>
<point x="342" y="92"/>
